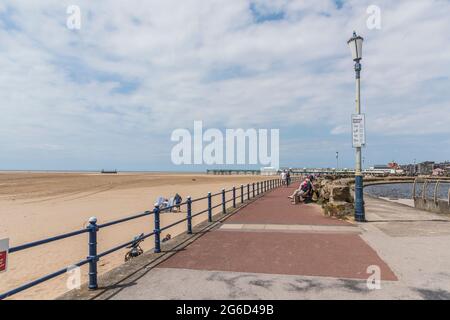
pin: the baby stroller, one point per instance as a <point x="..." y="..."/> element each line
<point x="135" y="247"/>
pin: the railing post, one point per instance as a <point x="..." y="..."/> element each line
<point x="253" y="189"/>
<point x="93" y="253"/>
<point x="424" y="190"/>
<point x="242" y="193"/>
<point x="157" y="230"/>
<point x="248" y="191"/>
<point x="436" y="189"/>
<point x="189" y="215"/>
<point x="209" y="207"/>
<point x="234" y="197"/>
<point x="224" y="210"/>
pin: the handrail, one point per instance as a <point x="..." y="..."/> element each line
<point x="42" y="279"/>
<point x="123" y="245"/>
<point x="414" y="189"/>
<point x="424" y="189"/>
<point x="93" y="228"/>
<point x="108" y="224"/>
<point x="44" y="241"/>
<point x="423" y="193"/>
<point x="436" y="189"/>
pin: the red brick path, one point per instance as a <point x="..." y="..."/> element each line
<point x="310" y="254"/>
<point x="276" y="208"/>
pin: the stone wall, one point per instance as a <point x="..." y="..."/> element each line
<point x="335" y="196"/>
<point x="336" y="193"/>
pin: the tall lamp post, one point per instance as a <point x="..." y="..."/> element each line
<point x="337" y="160"/>
<point x="355" y="44"/>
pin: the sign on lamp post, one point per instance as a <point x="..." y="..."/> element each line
<point x="358" y="130"/>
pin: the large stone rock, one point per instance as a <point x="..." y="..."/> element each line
<point x="340" y="193"/>
<point x="340" y="209"/>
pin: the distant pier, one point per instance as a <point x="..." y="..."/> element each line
<point x="231" y="172"/>
<point x="109" y="171"/>
<point x="294" y="171"/>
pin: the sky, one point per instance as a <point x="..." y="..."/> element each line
<point x="110" y="94"/>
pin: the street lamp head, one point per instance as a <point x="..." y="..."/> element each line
<point x="355" y="44"/>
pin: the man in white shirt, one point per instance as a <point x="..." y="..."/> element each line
<point x="283" y="176"/>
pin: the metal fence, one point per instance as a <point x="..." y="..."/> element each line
<point x="431" y="202"/>
<point x="245" y="193"/>
<point x="426" y="182"/>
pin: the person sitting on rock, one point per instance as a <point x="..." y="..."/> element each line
<point x="302" y="191"/>
<point x="307" y="196"/>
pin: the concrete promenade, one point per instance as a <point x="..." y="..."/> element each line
<point x="271" y="249"/>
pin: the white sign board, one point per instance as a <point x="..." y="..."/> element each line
<point x="4" y="247"/>
<point x="358" y="130"/>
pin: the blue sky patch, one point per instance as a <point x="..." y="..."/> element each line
<point x="261" y="16"/>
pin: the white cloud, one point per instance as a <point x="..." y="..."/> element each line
<point x="208" y="60"/>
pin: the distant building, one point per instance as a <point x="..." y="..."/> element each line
<point x="391" y="168"/>
<point x="425" y="168"/>
<point x="380" y="167"/>
<point x="394" y="165"/>
<point x="439" y="172"/>
<point x="409" y="169"/>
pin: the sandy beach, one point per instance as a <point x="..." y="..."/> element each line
<point x="39" y="205"/>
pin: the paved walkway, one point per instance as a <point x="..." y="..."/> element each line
<point x="271" y="249"/>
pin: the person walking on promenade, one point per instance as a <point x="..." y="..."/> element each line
<point x="283" y="177"/>
<point x="288" y="178"/>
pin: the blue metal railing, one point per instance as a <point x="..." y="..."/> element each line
<point x="93" y="228"/>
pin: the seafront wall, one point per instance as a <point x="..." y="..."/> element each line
<point x="336" y="195"/>
<point x="437" y="206"/>
<point x="434" y="204"/>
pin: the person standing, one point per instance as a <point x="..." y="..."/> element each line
<point x="288" y="178"/>
<point x="283" y="177"/>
